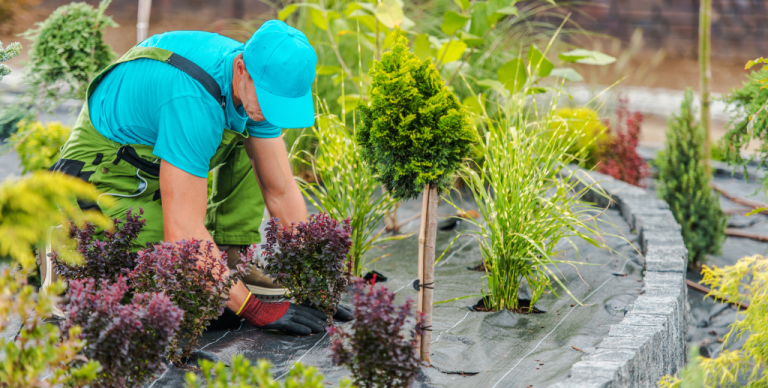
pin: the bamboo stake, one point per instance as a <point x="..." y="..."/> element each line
<point x="740" y="233"/>
<point x="422" y="240"/>
<point x="142" y="26"/>
<point x="705" y="71"/>
<point x="429" y="270"/>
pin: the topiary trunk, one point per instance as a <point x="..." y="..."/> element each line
<point x="684" y="184"/>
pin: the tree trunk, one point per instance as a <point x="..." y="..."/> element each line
<point x="142" y="25"/>
<point x="427" y="238"/>
<point x="705" y="71"/>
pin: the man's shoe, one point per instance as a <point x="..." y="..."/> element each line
<point x="259" y="283"/>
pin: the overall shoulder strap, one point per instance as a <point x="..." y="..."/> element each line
<point x="198" y="74"/>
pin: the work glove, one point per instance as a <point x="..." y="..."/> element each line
<point x="284" y="316"/>
<point x="343" y="313"/>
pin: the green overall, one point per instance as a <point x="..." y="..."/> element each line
<point x="129" y="173"/>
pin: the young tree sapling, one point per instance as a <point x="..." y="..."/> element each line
<point x="414" y="135"/>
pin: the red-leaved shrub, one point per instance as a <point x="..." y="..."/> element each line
<point x="617" y="153"/>
<point x="311" y="259"/>
<point x="193" y="278"/>
<point x="105" y="259"/>
<point x="130" y="339"/>
<point x="380" y="350"/>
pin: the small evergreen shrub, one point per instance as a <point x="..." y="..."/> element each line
<point x="104" y="259"/>
<point x="379" y="350"/>
<point x="414" y="131"/>
<point x="684" y="185"/>
<point x="68" y="50"/>
<point x="39" y="144"/>
<point x="28" y="207"/>
<point x="311" y="259"/>
<point x="193" y="278"/>
<point x="37" y="350"/>
<point x="617" y="153"/>
<point x="243" y="375"/>
<point x="747" y="102"/>
<point x="744" y="282"/>
<point x="10" y="116"/>
<point x="591" y="131"/>
<point x="129" y="340"/>
<point x="6" y="54"/>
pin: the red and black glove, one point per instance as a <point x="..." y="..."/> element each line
<point x="284" y="316"/>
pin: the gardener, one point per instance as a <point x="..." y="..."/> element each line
<point x="181" y="104"/>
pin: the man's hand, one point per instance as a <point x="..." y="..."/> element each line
<point x="273" y="172"/>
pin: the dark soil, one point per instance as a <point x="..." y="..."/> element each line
<point x="524" y="307"/>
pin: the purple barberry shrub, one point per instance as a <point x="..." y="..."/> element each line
<point x="311" y="259"/>
<point x="193" y="278"/>
<point x="128" y="340"/>
<point x="380" y="350"/>
<point x="106" y="258"/>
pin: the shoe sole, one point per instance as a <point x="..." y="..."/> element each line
<point x="268" y="293"/>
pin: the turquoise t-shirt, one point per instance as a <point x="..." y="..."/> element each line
<point x="149" y="102"/>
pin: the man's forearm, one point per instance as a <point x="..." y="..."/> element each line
<point x="289" y="207"/>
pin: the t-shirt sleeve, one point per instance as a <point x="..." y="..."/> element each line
<point x="189" y="132"/>
<point x="262" y="129"/>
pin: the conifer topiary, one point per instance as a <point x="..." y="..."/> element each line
<point x="684" y="184"/>
<point x="414" y="131"/>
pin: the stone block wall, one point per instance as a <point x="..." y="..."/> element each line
<point x="650" y="341"/>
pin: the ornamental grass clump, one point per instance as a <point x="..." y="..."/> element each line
<point x="193" y="278"/>
<point x="529" y="201"/>
<point x="310" y="259"/>
<point x="105" y="258"/>
<point x="345" y="188"/>
<point x="129" y="340"/>
<point x="379" y="350"/>
<point x="684" y="185"/>
<point x="244" y="375"/>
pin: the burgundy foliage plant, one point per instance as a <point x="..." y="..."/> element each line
<point x="193" y="278"/>
<point x="311" y="259"/>
<point x="380" y="349"/>
<point x="128" y="340"/>
<point x="106" y="258"/>
<point x="617" y="154"/>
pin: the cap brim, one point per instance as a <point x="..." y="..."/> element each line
<point x="286" y="112"/>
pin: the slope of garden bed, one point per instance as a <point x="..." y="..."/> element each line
<point x="470" y="348"/>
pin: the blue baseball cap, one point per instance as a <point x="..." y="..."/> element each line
<point x="282" y="64"/>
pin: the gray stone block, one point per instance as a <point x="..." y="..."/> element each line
<point x="675" y="251"/>
<point x="658" y="239"/>
<point x="634" y="366"/>
<point x="641" y="213"/>
<point x="657" y="223"/>
<point x="656" y="261"/>
<point x="607" y="374"/>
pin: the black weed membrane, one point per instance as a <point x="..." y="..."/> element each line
<point x="469" y="348"/>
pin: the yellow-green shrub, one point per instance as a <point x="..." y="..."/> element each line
<point x="37" y="357"/>
<point x="587" y="124"/>
<point x="39" y="144"/>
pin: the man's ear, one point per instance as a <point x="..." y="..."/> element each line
<point x="240" y="65"/>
